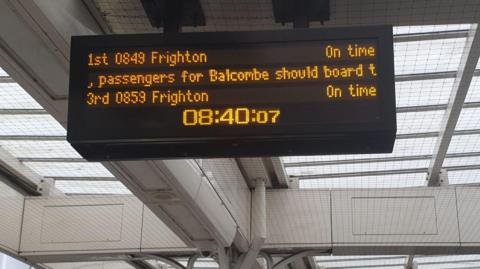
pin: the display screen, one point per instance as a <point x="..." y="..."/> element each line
<point x="231" y="85"/>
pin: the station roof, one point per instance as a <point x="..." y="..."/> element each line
<point x="427" y="59"/>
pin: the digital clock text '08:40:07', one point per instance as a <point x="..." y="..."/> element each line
<point x="230" y="116"/>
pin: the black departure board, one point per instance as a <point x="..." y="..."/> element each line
<point x="232" y="94"/>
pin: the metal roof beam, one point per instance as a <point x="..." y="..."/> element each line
<point x="34" y="137"/>
<point x="433" y="107"/>
<point x="364" y="258"/>
<point x="435" y="134"/>
<point x="383" y="172"/>
<point x="430" y="36"/>
<point x="370" y="160"/>
<point x="365" y="266"/>
<point x="23" y="112"/>
<point x="462" y="82"/>
<point x="85" y="178"/>
<point x="5" y="79"/>
<point x="52" y="160"/>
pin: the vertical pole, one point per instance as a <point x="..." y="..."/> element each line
<point x="300" y="16"/>
<point x="173" y="16"/>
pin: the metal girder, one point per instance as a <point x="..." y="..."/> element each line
<point x="386" y="159"/>
<point x="258" y="227"/>
<point x="461" y="85"/>
<point x="275" y="164"/>
<point x="253" y="169"/>
<point x="86" y="178"/>
<point x="365" y="258"/>
<point x="293" y="257"/>
<point x="410" y="262"/>
<point x="52" y="160"/>
<point x="364" y="266"/>
<point x="384" y="172"/>
<point x="426" y="76"/>
<point x="18" y="175"/>
<point x="270" y="170"/>
<point x="430" y="36"/>
<point x="140" y="264"/>
<point x="362" y="174"/>
<point x="6" y="79"/>
<point x="450" y="262"/>
<point x="23" y="112"/>
<point x="90" y="4"/>
<point x="433" y="107"/>
<point x="435" y="134"/>
<point x="311" y="262"/>
<point x="33" y="137"/>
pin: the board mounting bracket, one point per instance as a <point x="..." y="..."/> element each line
<point x="301" y="12"/>
<point x="173" y="14"/>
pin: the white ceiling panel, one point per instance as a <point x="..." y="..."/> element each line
<point x="464" y="177"/>
<point x="12" y="96"/>
<point x="464" y="143"/>
<point x="90" y="265"/>
<point x="461" y="161"/>
<point x="384" y="181"/>
<point x="419" y="122"/>
<point x="363" y="263"/>
<point x="36" y="149"/>
<point x="403" y="147"/>
<point x="402" y="30"/>
<point x="473" y="94"/>
<point x="423" y="92"/>
<point x="91" y="187"/>
<point x="356" y="167"/>
<point x="3" y="73"/>
<point x="66" y="169"/>
<point x="31" y="125"/>
<point x="428" y="56"/>
<point x="469" y="119"/>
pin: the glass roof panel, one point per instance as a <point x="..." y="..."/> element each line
<point x="455" y="265"/>
<point x="356" y="167"/>
<point x="199" y="263"/>
<point x="3" y="73"/>
<point x="383" y="181"/>
<point x="460" y="161"/>
<point x="12" y="96"/>
<point x="464" y="143"/>
<point x="43" y="149"/>
<point x="416" y="29"/>
<point x="423" y="92"/>
<point x="473" y="94"/>
<point x="447" y="258"/>
<point x="419" y="122"/>
<point x="91" y="187"/>
<point x="469" y="119"/>
<point x="90" y="265"/>
<point x="403" y="147"/>
<point x="428" y="56"/>
<point x="33" y="125"/>
<point x="464" y="176"/>
<point x="66" y="169"/>
<point x="374" y="262"/>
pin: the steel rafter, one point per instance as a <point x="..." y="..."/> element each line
<point x="461" y="84"/>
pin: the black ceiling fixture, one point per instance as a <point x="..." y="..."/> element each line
<point x="173" y="14"/>
<point x="301" y="12"/>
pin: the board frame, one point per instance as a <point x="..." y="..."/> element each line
<point x="359" y="137"/>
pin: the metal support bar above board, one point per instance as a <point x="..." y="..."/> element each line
<point x="301" y="12"/>
<point x="173" y="14"/>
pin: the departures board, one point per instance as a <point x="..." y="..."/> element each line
<point x="232" y="94"/>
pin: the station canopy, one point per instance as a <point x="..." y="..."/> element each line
<point x="427" y="58"/>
